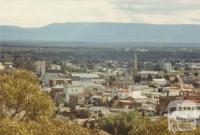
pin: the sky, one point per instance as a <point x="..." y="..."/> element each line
<point x="37" y="13"/>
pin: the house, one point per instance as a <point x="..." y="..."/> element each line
<point x="125" y="104"/>
<point x="84" y="98"/>
<point x="160" y="82"/>
<point x="107" y="96"/>
<point x="56" y="90"/>
<point x="149" y="106"/>
<point x="99" y="81"/>
<point x="52" y="76"/>
<point x="59" y="81"/>
<point x="123" y="93"/>
<point x="96" y="100"/>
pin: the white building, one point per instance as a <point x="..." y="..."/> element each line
<point x="159" y="82"/>
<point x="85" y="76"/>
<point x="167" y="67"/>
<point x="2" y="67"/>
<point x="55" y="67"/>
<point x="144" y="74"/>
<point x="40" y="68"/>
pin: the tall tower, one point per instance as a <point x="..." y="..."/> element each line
<point x="42" y="72"/>
<point x="43" y="67"/>
<point x="135" y="70"/>
<point x="66" y="93"/>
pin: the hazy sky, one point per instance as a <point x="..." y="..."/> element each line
<point x="36" y="13"/>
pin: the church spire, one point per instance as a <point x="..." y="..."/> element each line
<point x="135" y="65"/>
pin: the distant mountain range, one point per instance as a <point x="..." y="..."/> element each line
<point x="104" y="32"/>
